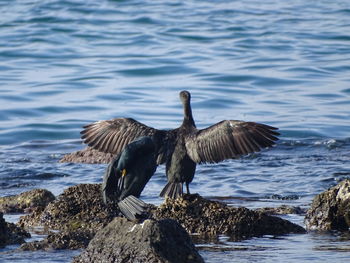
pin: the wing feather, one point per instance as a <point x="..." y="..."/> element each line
<point x="113" y="143"/>
<point x="111" y="136"/>
<point x="229" y="139"/>
<point x="119" y="137"/>
<point x="107" y="141"/>
<point x="241" y="145"/>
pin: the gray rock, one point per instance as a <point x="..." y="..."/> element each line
<point x="26" y="202"/>
<point x="330" y="210"/>
<point x="151" y="241"/>
<point x="10" y="233"/>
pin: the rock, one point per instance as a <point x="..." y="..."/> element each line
<point x="330" y="210"/>
<point x="61" y="240"/>
<point x="26" y="202"/>
<point x="80" y="210"/>
<point x="212" y="218"/>
<point x="10" y="233"/>
<point x="152" y="241"/>
<point x="78" y="207"/>
<point x="87" y="155"/>
<point x="78" y="213"/>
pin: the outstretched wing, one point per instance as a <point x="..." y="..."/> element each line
<point x="111" y="136"/>
<point x="229" y="139"/>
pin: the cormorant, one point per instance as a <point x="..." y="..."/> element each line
<point x="127" y="175"/>
<point x="184" y="147"/>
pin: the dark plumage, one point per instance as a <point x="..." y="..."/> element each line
<point x="182" y="148"/>
<point x="127" y="175"/>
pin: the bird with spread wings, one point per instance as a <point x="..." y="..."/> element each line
<point x="181" y="149"/>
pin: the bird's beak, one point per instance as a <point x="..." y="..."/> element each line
<point x="121" y="180"/>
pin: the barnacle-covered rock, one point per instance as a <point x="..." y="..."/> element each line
<point x="79" y="211"/>
<point x="78" y="207"/>
<point x="210" y="218"/>
<point x="330" y="210"/>
<point x="10" y="233"/>
<point x="26" y="201"/>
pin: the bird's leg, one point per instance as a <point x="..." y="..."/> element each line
<point x="188" y="188"/>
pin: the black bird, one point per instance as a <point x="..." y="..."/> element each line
<point x="127" y="175"/>
<point x="182" y="148"/>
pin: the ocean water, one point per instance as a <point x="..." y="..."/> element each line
<point x="64" y="64"/>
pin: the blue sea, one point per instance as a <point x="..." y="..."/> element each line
<point x="66" y="63"/>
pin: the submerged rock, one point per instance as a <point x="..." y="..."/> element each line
<point x="87" y="155"/>
<point x="27" y="201"/>
<point x="10" y="233"/>
<point x="151" y="241"/>
<point x="61" y="240"/>
<point x="330" y="210"/>
<point x="282" y="210"/>
<point x="211" y="218"/>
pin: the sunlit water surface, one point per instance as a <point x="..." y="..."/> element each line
<point x="285" y="63"/>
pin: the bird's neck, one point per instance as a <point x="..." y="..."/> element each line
<point x="188" y="118"/>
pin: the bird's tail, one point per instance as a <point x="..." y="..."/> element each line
<point x="131" y="206"/>
<point x="172" y="190"/>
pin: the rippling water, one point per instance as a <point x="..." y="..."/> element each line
<point x="285" y="63"/>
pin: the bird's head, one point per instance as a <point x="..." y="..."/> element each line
<point x="185" y="96"/>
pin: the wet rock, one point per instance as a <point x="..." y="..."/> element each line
<point x="10" y="233"/>
<point x="211" y="218"/>
<point x="26" y="202"/>
<point x="87" y="155"/>
<point x="78" y="207"/>
<point x="330" y="210"/>
<point x="61" y="240"/>
<point x="282" y="210"/>
<point x="151" y="241"/>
